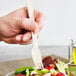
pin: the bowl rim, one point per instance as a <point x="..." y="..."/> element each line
<point x="8" y="74"/>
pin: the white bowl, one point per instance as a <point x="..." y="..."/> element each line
<point x="10" y="74"/>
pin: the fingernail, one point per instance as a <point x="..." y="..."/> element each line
<point x="35" y="26"/>
<point x="18" y="38"/>
<point x="25" y="38"/>
<point x="37" y="30"/>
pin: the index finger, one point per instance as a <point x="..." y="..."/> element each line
<point x="39" y="18"/>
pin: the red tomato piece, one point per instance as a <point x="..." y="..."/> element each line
<point x="60" y="74"/>
<point x="49" y="68"/>
<point x="20" y="75"/>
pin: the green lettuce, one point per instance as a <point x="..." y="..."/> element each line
<point x="23" y="70"/>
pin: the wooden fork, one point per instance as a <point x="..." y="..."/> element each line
<point x="36" y="54"/>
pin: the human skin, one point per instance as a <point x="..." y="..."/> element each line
<point x="16" y="27"/>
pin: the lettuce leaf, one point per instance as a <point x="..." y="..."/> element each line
<point x="61" y="66"/>
<point x="22" y="70"/>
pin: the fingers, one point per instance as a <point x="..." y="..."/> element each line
<point x="22" y="39"/>
<point x="27" y="37"/>
<point x="9" y="40"/>
<point x="18" y="38"/>
<point x="40" y="19"/>
<point x="26" y="43"/>
<point x="27" y="24"/>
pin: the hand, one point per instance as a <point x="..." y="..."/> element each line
<point x="16" y="27"/>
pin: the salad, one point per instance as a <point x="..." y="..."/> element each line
<point x="52" y="67"/>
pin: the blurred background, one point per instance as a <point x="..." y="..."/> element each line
<point x="59" y="28"/>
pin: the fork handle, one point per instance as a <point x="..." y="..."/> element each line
<point x="31" y="16"/>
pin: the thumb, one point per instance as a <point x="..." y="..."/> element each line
<point x="27" y="24"/>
